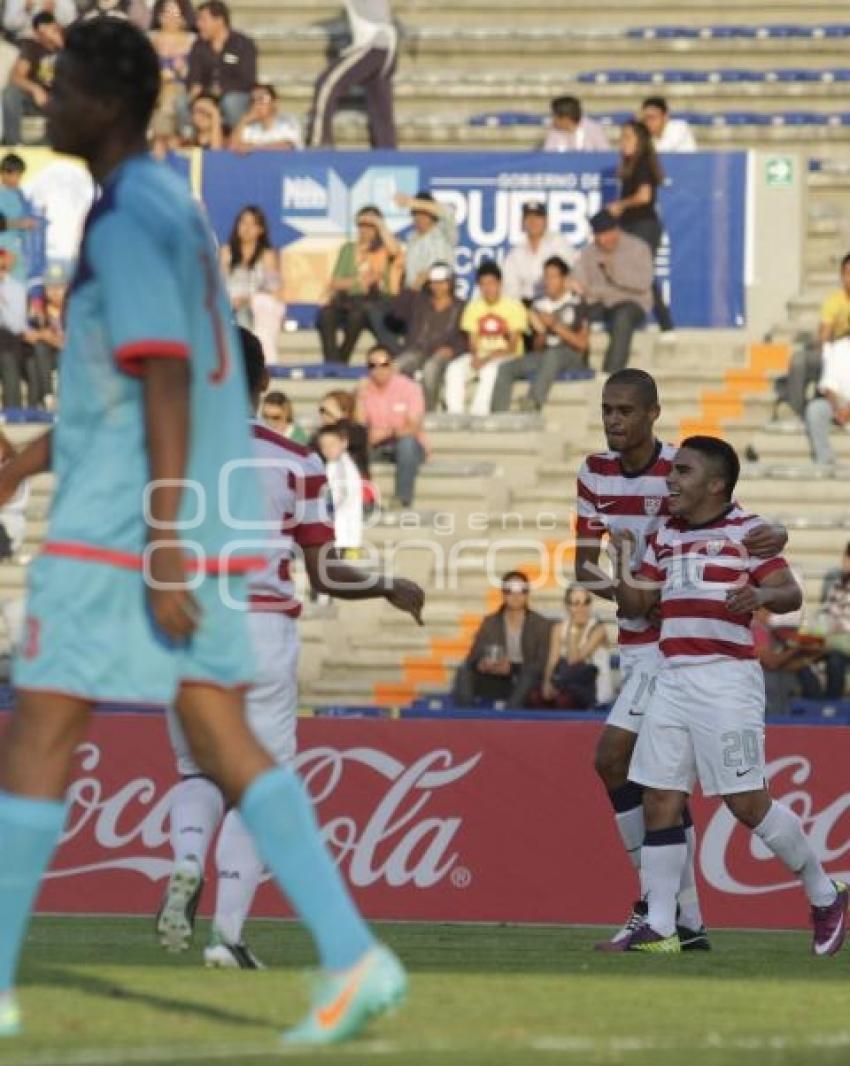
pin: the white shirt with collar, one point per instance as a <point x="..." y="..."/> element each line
<point x="522" y="270"/>
<point x="676" y="137"/>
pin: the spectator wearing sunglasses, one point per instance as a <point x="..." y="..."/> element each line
<point x="392" y="407"/>
<point x="508" y="654"/>
<point x="578" y="670"/>
<point x="278" y="414"/>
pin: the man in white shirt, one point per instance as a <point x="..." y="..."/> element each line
<point x="263" y="128"/>
<point x="522" y="270"/>
<point x="370" y="62"/>
<point x="668" y="134"/>
<point x="13" y="328"/>
<point x="571" y="131"/>
<point x="832" y="404"/>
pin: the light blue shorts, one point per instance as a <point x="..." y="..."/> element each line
<point x="88" y="632"/>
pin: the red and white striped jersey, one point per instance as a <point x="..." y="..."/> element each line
<point x="608" y="498"/>
<point x="295" y="498"/>
<point x="698" y="565"/>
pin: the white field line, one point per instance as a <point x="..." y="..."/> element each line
<point x="561" y="1045"/>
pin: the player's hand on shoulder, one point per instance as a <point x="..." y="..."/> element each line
<point x="744" y="600"/>
<point x="407" y="596"/>
<point x="765" y="541"/>
<point x="173" y="607"/>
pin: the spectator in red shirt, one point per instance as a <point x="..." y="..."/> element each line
<point x="222" y="62"/>
<point x="392" y="407"/>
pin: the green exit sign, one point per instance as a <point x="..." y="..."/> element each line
<point x="779" y="172"/>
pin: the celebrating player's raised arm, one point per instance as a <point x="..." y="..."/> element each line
<point x="31" y="460"/>
<point x="637" y="594"/>
<point x="766" y="541"/>
<point x="338" y="578"/>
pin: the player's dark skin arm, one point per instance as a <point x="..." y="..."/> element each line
<point x="335" y="577"/>
<point x="29" y="461"/>
<point x="588" y="571"/>
<point x="167" y="415"/>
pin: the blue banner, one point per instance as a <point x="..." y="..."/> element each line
<point x="310" y="199"/>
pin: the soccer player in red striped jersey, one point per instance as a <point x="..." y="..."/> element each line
<point x="625" y="488"/>
<point x="706" y="718"/>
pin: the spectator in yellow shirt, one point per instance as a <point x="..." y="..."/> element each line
<point x="835" y="310"/>
<point x="495" y="325"/>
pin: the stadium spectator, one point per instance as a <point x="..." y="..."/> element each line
<point x="28" y="89"/>
<point x="17" y="217"/>
<point x="495" y="326"/>
<point x="835" y="619"/>
<point x="434" y="334"/>
<point x="578" y="669"/>
<point x="222" y="62"/>
<point x="640" y="176"/>
<point x="522" y="270"/>
<point x="339" y="407"/>
<point x="369" y="62"/>
<point x="18" y="14"/>
<point x="367" y="269"/>
<point x="571" y="131"/>
<point x="433" y="239"/>
<point x="668" y="134"/>
<point x="391" y="407"/>
<point x="508" y="655"/>
<point x="278" y="414"/>
<point x="804" y="369"/>
<point x="14" y="332"/>
<point x="346" y="488"/>
<point x="172" y="37"/>
<point x="48" y="338"/>
<point x="614" y="272"/>
<point x="262" y="127"/>
<point x="251" y="269"/>
<point x="560" y="321"/>
<point x="787" y="668"/>
<point x="832" y="404"/>
<point x="205" y="130"/>
<point x="135" y="11"/>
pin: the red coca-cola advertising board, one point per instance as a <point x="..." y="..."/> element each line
<point x="451" y="821"/>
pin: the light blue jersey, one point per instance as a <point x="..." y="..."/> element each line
<point x="146" y="286"/>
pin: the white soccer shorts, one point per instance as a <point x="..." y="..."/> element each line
<point x="639" y="665"/>
<point x="706" y="722"/>
<point x="271" y="703"/>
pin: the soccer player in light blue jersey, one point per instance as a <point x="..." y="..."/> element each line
<point x="148" y="528"/>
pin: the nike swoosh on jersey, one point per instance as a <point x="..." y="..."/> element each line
<point x="743" y="773"/>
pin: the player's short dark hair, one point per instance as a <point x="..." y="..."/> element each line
<point x="217" y="8"/>
<point x="567" y="107"/>
<point x="11" y="163"/>
<point x="845" y="261"/>
<point x="657" y="102"/>
<point x="255" y="361"/>
<point x="721" y="455"/>
<point x="43" y="18"/>
<point x="114" y="58"/>
<point x="631" y="377"/>
<point x="489" y="269"/>
<point x="558" y="263"/>
<point x="267" y="87"/>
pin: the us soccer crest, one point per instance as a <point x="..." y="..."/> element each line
<point x="714" y="547"/>
<point x="652" y="505"/>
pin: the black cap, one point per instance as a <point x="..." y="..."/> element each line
<point x="603" y="221"/>
<point x="535" y="207"/>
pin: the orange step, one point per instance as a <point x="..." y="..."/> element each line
<point x="394" y="694"/>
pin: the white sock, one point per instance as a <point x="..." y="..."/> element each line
<point x="690" y="914"/>
<point x="663" y="857"/>
<point x="632" y="831"/>
<point x="627" y="802"/>
<point x="239" y="871"/>
<point x="782" y="832"/>
<point x="197" y="807"/>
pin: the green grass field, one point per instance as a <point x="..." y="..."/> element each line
<point x="99" y="991"/>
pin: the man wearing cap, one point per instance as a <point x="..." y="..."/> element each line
<point x="522" y="270"/>
<point x="434" y="336"/>
<point x="614" y="272"/>
<point x="433" y="241"/>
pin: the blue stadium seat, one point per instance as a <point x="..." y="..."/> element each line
<point x="742" y="118"/>
<point x="828" y="712"/>
<point x="615" y="77"/>
<point x="737" y="75"/>
<point x="794" y="74"/>
<point x="784" y="29"/>
<point x="836" y="74"/>
<point x="18" y="415"/>
<point x="686" y="76"/>
<point x="834" y="29"/>
<point x="316" y="371"/>
<point x="662" y="33"/>
<point x="801" y="118"/>
<point x="503" y="119"/>
<point x="730" y="32"/>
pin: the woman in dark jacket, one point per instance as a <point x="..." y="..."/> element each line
<point x="640" y="176"/>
